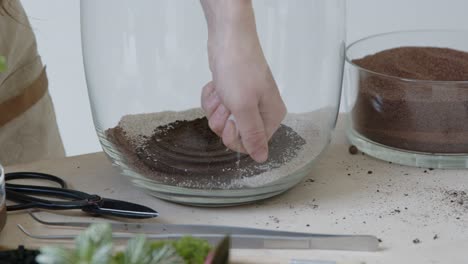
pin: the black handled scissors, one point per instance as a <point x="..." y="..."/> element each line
<point x="25" y="198"/>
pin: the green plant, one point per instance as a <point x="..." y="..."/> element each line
<point x="94" y="246"/>
<point x="3" y="65"/>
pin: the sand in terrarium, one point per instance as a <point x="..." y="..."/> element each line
<point x="179" y="149"/>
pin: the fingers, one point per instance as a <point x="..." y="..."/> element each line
<point x="215" y="111"/>
<point x="217" y="121"/>
<point x="256" y="120"/>
<point x="273" y="110"/>
<point x="231" y="137"/>
<point x="210" y="99"/>
<point x="252" y="131"/>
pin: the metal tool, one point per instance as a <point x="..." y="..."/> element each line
<point x="241" y="238"/>
<point x="25" y="198"/>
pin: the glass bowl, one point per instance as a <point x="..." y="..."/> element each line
<point x="146" y="62"/>
<point x="408" y="121"/>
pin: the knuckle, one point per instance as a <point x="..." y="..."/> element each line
<point x="243" y="105"/>
<point x="254" y="139"/>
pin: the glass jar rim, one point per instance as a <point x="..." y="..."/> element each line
<point x="410" y="80"/>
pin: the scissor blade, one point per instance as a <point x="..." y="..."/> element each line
<point x="124" y="209"/>
<point x="349" y="243"/>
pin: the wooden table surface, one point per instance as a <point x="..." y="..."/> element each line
<point x="344" y="194"/>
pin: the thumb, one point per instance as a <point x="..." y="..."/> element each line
<point x="252" y="132"/>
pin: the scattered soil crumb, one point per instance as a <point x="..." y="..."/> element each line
<point x="458" y="199"/>
<point x="436" y="237"/>
<point x="416" y="241"/>
<point x="380" y="240"/>
<point x="370" y="172"/>
<point x="396" y="211"/>
<point x="353" y="150"/>
<point x="275" y="219"/>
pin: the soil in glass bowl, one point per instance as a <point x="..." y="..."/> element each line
<point x="179" y="149"/>
<point x="414" y="98"/>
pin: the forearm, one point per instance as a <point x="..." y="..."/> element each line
<point x="231" y="30"/>
<point x="227" y="12"/>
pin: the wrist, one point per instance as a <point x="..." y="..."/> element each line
<point x="237" y="11"/>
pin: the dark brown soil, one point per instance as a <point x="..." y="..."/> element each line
<point x="410" y="115"/>
<point x="189" y="154"/>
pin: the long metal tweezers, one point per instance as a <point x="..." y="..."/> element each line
<point x="241" y="238"/>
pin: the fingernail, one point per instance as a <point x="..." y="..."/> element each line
<point x="231" y="117"/>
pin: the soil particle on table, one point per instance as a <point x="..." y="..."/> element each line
<point x="458" y="199"/>
<point x="274" y="219"/>
<point x="353" y="150"/>
<point x="416" y="241"/>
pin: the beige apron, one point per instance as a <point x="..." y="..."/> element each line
<point x="28" y="128"/>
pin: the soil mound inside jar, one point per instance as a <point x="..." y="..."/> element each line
<point x="187" y="153"/>
<point x="427" y="116"/>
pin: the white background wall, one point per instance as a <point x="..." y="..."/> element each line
<point x="56" y="23"/>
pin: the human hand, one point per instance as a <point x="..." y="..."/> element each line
<point x="242" y="102"/>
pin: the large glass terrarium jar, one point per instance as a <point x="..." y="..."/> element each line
<point x="146" y="64"/>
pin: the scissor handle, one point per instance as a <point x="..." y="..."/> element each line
<point x="34" y="176"/>
<point x="18" y="193"/>
<point x="26" y="198"/>
<point x="29" y="202"/>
